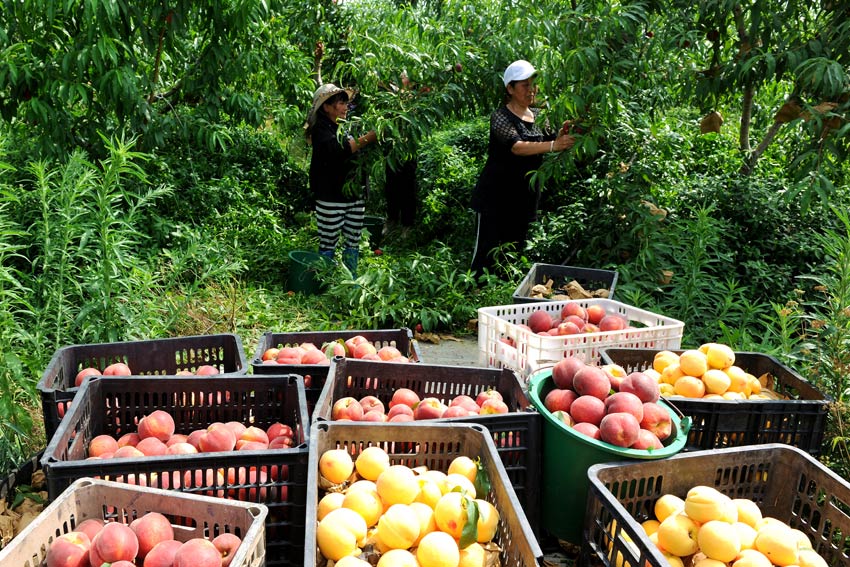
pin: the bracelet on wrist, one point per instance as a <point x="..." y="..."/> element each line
<point x="552" y="146"/>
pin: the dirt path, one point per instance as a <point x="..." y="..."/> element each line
<point x="452" y="351"/>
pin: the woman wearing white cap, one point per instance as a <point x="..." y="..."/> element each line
<point x="504" y="197"/>
<point x="339" y="209"/>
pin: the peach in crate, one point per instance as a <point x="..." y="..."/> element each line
<point x="505" y="339"/>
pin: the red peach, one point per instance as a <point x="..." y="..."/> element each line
<point x="278" y="429"/>
<point x="281" y="442"/>
<point x="315" y="356"/>
<point x="487" y="394"/>
<point x="559" y="400"/>
<point x="308" y="346"/>
<point x="237" y="427"/>
<point x="127" y="451"/>
<point x="69" y="550"/>
<point x="364" y="349"/>
<point x="123" y="563"/>
<point x="589" y="409"/>
<point x="569" y="328"/>
<point x="85" y="373"/>
<point x="595" y="313"/>
<point x="620" y="429"/>
<point x="117" y="369"/>
<point x="592" y="381"/>
<point x="400" y="417"/>
<point x="197" y="552"/>
<point x="401" y="409"/>
<point x="369" y="403"/>
<point x="102" y="444"/>
<point x="290" y="355"/>
<point x="657" y="420"/>
<point x="574" y="309"/>
<point x="151" y="447"/>
<point x="269" y="354"/>
<point x="624" y="402"/>
<point x="643" y="386"/>
<point x="588" y="429"/>
<point x="90" y="527"/>
<point x="157" y="424"/>
<point x="456" y="411"/>
<point x="388" y="352"/>
<point x="176" y="438"/>
<point x="374" y="415"/>
<point x="647" y="440"/>
<point x="404" y="396"/>
<point x="181" y="449"/>
<point x="194" y="437"/>
<point x="352" y="342"/>
<point x="254" y="433"/>
<point x="612" y="323"/>
<point x="114" y="542"/>
<point x="227" y="544"/>
<point x="132" y="439"/>
<point x="493" y="406"/>
<point x="217" y="437"/>
<point x="564" y="417"/>
<point x="151" y="529"/>
<point x="540" y="321"/>
<point x="564" y="371"/>
<point x="162" y="554"/>
<point x="333" y="349"/>
<point x="206" y="370"/>
<point x="243" y="445"/>
<point x="429" y="408"/>
<point x="347" y="408"/>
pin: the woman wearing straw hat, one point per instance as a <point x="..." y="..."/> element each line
<point x="504" y="197"/>
<point x="339" y="209"/>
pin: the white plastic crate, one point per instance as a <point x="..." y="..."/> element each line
<point x="503" y="343"/>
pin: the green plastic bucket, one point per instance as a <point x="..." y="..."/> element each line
<point x="568" y="454"/>
<point x="374" y="224"/>
<point x="304" y="271"/>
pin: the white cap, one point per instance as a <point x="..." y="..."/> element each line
<point x="518" y="71"/>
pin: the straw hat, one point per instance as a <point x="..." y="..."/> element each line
<point x="321" y="96"/>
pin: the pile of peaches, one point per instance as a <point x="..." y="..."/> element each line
<point x="574" y="320"/>
<point x="708" y="528"/>
<point x="147" y="541"/>
<point x="708" y="372"/>
<point x="376" y="514"/>
<point x="122" y="369"/>
<point x="607" y="405"/>
<point x="405" y="405"/>
<point x="155" y="436"/>
<point x="357" y="346"/>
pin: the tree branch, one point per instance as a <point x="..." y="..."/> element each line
<point x="751" y="160"/>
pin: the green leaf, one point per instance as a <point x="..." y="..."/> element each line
<point x="482" y="479"/>
<point x="469" y="534"/>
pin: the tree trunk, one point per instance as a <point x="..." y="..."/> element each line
<point x="746" y="119"/>
<point x="751" y="159"/>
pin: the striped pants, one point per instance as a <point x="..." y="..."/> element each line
<point x="333" y="218"/>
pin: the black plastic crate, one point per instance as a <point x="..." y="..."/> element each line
<point x="516" y="434"/>
<point x="799" y="421"/>
<point x="113" y="405"/>
<point x="434" y="445"/>
<point x="590" y="279"/>
<point x="786" y="483"/>
<point x="314" y="374"/>
<point x="163" y="357"/>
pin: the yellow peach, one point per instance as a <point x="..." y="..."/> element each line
<point x="677" y="534"/>
<point x="488" y="521"/>
<point x="473" y="555"/>
<point x="747" y="534"/>
<point x="438" y="549"/>
<point x="689" y="387"/>
<point x="336" y="465"/>
<point x="650" y="526"/>
<point x="427" y="523"/>
<point x="719" y="540"/>
<point x="719" y="356"/>
<point x="705" y="503"/>
<point x="739" y="381"/>
<point x="748" y="511"/>
<point x="398" y="527"/>
<point x="371" y="462"/>
<point x="451" y="514"/>
<point x="396" y="558"/>
<point x="663" y="359"/>
<point x="455" y="480"/>
<point x="693" y="363"/>
<point x="465" y="466"/>
<point x="778" y="544"/>
<point x="397" y="485"/>
<point x="668" y="505"/>
<point x="671" y="374"/>
<point x="365" y="502"/>
<point x="751" y="558"/>
<point x="716" y="381"/>
<point x="330" y="501"/>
